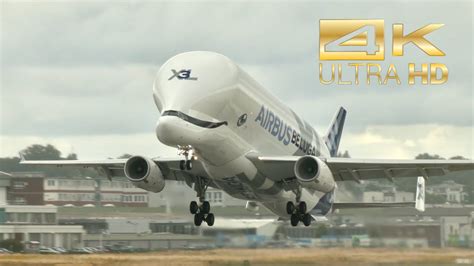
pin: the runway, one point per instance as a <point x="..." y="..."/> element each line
<point x="274" y="257"/>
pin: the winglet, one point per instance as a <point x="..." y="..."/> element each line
<point x="22" y="157"/>
<point x="333" y="136"/>
<point x="420" y="194"/>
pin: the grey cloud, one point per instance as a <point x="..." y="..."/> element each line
<point x="87" y="68"/>
<point x="78" y="101"/>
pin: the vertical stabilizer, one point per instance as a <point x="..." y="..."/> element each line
<point x="333" y="137"/>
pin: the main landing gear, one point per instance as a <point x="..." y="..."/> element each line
<point x="298" y="213"/>
<point x="202" y="211"/>
<point x="188" y="152"/>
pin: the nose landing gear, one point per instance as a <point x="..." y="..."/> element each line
<point x="188" y="152"/>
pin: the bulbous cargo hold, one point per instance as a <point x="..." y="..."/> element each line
<point x="144" y="174"/>
<point x="313" y="173"/>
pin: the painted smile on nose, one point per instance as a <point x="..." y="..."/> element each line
<point x="192" y="120"/>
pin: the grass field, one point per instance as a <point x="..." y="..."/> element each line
<point x="274" y="257"/>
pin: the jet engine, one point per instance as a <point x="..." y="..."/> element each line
<point x="313" y="173"/>
<point x="144" y="173"/>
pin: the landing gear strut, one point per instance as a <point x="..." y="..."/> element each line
<point x="188" y="152"/>
<point x="202" y="211"/>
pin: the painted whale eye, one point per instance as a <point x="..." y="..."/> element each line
<point x="242" y="119"/>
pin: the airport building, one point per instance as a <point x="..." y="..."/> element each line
<point x="38" y="225"/>
<point x="34" y="188"/>
<point x="149" y="241"/>
<point x="450" y="190"/>
<point x="178" y="194"/>
<point x="387" y="196"/>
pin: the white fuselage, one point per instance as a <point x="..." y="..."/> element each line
<point x="208" y="102"/>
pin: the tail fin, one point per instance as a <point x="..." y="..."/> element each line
<point x="333" y="136"/>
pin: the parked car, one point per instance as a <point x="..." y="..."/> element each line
<point x="91" y="249"/>
<point x="60" y="249"/>
<point x="81" y="251"/>
<point x="120" y="249"/>
<point x="5" y="251"/>
<point x="48" y="251"/>
<point x="102" y="249"/>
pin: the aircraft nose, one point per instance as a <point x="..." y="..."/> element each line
<point x="172" y="130"/>
<point x="168" y="129"/>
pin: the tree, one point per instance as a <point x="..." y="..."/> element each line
<point x="124" y="156"/>
<point x="40" y="152"/>
<point x="458" y="157"/>
<point x="343" y="155"/>
<point x="435" y="199"/>
<point x="427" y="156"/>
<point x="12" y="245"/>
<point x="44" y="152"/>
<point x="71" y="156"/>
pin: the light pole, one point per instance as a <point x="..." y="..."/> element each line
<point x="101" y="238"/>
<point x="135" y="224"/>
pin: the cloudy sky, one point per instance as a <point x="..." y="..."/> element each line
<point x="79" y="75"/>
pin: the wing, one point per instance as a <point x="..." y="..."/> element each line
<point x="114" y="167"/>
<point x="355" y="169"/>
<point x="343" y="169"/>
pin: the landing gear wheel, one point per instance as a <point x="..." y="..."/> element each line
<point x="205" y="207"/>
<point x="198" y="218"/>
<point x="302" y="207"/>
<point x="290" y="207"/>
<point x="306" y="219"/>
<point x="182" y="165"/>
<point x="210" y="219"/>
<point x="294" y="219"/>
<point x="193" y="207"/>
<point x="189" y="164"/>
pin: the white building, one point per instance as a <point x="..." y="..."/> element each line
<point x="4" y="183"/>
<point x="177" y="193"/>
<point x="81" y="191"/>
<point x="38" y="224"/>
<point x="387" y="195"/>
<point x="452" y="191"/>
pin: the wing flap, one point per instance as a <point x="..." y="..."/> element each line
<point x="359" y="205"/>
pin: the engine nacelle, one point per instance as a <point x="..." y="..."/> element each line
<point x="144" y="174"/>
<point x="314" y="174"/>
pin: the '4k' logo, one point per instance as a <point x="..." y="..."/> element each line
<point x="182" y="74"/>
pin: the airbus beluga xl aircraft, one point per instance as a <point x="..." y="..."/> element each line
<point x="234" y="135"/>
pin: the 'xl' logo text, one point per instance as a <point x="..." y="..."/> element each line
<point x="182" y="74"/>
